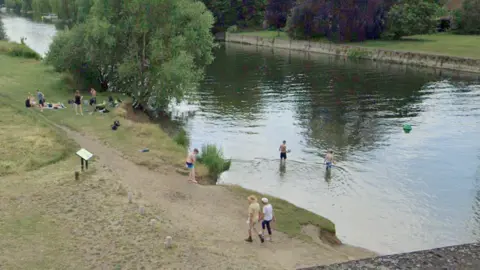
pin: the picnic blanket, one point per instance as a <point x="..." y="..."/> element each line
<point x="54" y="106"/>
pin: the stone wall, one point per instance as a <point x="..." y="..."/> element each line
<point x="461" y="257"/>
<point x="409" y="58"/>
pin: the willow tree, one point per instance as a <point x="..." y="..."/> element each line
<point x="153" y="50"/>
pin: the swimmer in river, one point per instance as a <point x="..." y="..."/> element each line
<point x="329" y="160"/>
<point x="283" y="151"/>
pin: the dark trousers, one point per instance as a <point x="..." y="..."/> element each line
<point x="266" y="223"/>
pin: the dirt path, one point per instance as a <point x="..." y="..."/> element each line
<point x="209" y="221"/>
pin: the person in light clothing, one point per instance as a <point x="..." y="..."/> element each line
<point x="267" y="217"/>
<point x="253" y="216"/>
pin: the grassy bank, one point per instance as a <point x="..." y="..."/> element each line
<point x="291" y="218"/>
<point x="18" y="77"/>
<point x="441" y="43"/>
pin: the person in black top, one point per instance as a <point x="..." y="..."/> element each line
<point x="27" y="102"/>
<point x="78" y="102"/>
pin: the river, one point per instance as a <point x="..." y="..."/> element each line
<point x="391" y="191"/>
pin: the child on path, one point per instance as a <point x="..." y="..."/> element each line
<point x="267" y="217"/>
<point x="190" y="163"/>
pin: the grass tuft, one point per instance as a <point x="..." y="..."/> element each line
<point x="182" y="139"/>
<point x="212" y="157"/>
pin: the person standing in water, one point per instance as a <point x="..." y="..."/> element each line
<point x="190" y="163"/>
<point x="78" y="102"/>
<point x="329" y="160"/>
<point x="283" y="151"/>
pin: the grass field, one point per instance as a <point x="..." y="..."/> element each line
<point x="442" y="43"/>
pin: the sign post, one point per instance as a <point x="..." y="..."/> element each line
<point x="84" y="157"/>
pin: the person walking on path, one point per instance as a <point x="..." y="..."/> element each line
<point x="190" y="163"/>
<point x="253" y="215"/>
<point x="267" y="218"/>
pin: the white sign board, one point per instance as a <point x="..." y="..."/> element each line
<point x="84" y="154"/>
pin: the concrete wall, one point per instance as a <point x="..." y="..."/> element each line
<point x="409" y="58"/>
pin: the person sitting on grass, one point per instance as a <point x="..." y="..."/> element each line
<point x="28" y="102"/>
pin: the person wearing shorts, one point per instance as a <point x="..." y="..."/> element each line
<point x="78" y="102"/>
<point x="190" y="164"/>
<point x="283" y="151"/>
<point x="93" y="100"/>
<point x="329" y="160"/>
<point x="267" y="218"/>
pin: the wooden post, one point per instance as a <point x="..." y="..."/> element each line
<point x="86" y="164"/>
<point x="168" y="242"/>
<point x="77" y="175"/>
<point x="81" y="161"/>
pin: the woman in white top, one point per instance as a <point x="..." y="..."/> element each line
<point x="267" y="217"/>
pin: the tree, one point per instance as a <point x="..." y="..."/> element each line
<point x="152" y="50"/>
<point x="3" y="34"/>
<point x="348" y="20"/>
<point x="467" y="20"/>
<point x="411" y="17"/>
<point x="276" y="12"/>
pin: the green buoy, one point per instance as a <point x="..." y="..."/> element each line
<point x="407" y="128"/>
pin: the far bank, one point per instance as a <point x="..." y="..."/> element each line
<point x="437" y="61"/>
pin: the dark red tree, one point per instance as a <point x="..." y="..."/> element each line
<point x="276" y="12"/>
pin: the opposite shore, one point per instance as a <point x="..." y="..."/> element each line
<point x="422" y="59"/>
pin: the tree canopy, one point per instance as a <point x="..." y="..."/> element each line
<point x="152" y="50"/>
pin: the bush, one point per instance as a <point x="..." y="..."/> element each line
<point x="411" y="18"/>
<point x="467" y="20"/>
<point x="181" y="138"/>
<point x="21" y="50"/>
<point x="349" y="20"/>
<point x="212" y="157"/>
<point x="276" y="13"/>
<point x="3" y="35"/>
<point x="232" y="29"/>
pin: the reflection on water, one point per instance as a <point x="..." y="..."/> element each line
<point x="390" y="191"/>
<point x="39" y="35"/>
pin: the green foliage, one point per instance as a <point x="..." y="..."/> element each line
<point x="3" y="34"/>
<point x="22" y="50"/>
<point x="232" y="29"/>
<point x="358" y="53"/>
<point x="467" y="20"/>
<point x="410" y="18"/>
<point x="242" y="13"/>
<point x="212" y="157"/>
<point x="154" y="51"/>
<point x="182" y="139"/>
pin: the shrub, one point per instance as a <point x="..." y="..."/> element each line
<point x="181" y="138"/>
<point x="276" y="13"/>
<point x="411" y="18"/>
<point x="21" y="50"/>
<point x="212" y="157"/>
<point x="467" y="20"/>
<point x="3" y="35"/>
<point x="349" y="20"/>
<point x="232" y="29"/>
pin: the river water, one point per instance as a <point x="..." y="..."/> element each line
<point x="391" y="191"/>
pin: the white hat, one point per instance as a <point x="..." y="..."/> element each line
<point x="265" y="200"/>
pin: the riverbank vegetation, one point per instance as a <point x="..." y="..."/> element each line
<point x="212" y="157"/>
<point x="3" y="35"/>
